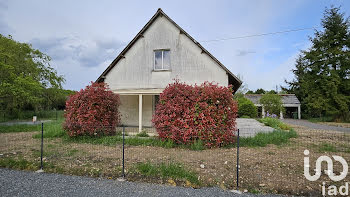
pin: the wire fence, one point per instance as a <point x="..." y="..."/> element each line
<point x="258" y="162"/>
<point x="28" y="115"/>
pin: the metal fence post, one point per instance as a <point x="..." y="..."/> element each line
<point x="42" y="146"/>
<point x="237" y="167"/>
<point x="123" y="150"/>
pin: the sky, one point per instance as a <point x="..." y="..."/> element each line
<point x="83" y="36"/>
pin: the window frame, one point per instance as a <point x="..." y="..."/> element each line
<point x="154" y="60"/>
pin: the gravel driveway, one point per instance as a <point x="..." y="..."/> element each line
<point x="22" y="183"/>
<point x="311" y="125"/>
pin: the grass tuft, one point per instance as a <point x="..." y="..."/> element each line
<point x="142" y="134"/>
<point x="327" y="148"/>
<point x="175" y="171"/>
<point x="277" y="137"/>
<point x="52" y="130"/>
<point x="274" y="123"/>
<point x="197" y="145"/>
<point x="20" y="164"/>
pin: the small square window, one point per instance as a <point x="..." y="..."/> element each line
<point x="162" y="60"/>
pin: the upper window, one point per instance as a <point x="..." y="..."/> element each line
<point x="162" y="60"/>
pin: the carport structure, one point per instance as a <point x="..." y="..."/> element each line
<point x="290" y="102"/>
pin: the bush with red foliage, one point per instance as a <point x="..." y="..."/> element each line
<point x="188" y="113"/>
<point x="92" y="111"/>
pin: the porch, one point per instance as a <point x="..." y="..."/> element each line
<point x="137" y="108"/>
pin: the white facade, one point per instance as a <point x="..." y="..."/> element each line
<point x="132" y="74"/>
<point x="188" y="64"/>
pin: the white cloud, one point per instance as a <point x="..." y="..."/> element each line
<point x="79" y="60"/>
<point x="83" y="38"/>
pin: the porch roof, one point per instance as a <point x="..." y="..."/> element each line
<point x="145" y="91"/>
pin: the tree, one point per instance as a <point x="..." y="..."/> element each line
<point x="272" y="92"/>
<point x="25" y="73"/>
<point x="260" y="91"/>
<point x="272" y="103"/>
<point x="246" y="108"/>
<point x="322" y="73"/>
<point x="56" y="98"/>
<point x="92" y="111"/>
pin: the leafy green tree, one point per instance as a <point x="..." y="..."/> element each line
<point x="272" y="103"/>
<point x="260" y="91"/>
<point x="322" y="73"/>
<point x="25" y="74"/>
<point x="272" y="92"/>
<point x="246" y="108"/>
<point x="56" y="98"/>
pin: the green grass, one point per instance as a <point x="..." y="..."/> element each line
<point x="133" y="141"/>
<point x="28" y="115"/>
<point x="114" y="140"/>
<point x="175" y="171"/>
<point x="197" y="145"/>
<point x="52" y="129"/>
<point x="23" y="164"/>
<point x="142" y="134"/>
<point x="277" y="137"/>
<point x="19" y="128"/>
<point x="274" y="123"/>
<point x="321" y="119"/>
<point x="20" y="164"/>
<point x="55" y="130"/>
<point x="326" y="147"/>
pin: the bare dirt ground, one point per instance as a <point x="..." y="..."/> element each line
<point x="337" y="124"/>
<point x="271" y="169"/>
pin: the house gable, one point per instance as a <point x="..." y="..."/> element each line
<point x="190" y="62"/>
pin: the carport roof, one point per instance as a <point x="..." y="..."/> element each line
<point x="286" y="98"/>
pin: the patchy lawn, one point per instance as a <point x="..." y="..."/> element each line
<point x="270" y="169"/>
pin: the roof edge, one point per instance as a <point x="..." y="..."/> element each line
<point x="145" y="27"/>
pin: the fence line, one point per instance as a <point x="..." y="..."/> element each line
<point x="257" y="161"/>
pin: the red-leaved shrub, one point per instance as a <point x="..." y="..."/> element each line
<point x="92" y="111"/>
<point x="188" y="113"/>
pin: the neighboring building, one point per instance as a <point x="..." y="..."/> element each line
<point x="290" y="103"/>
<point x="161" y="52"/>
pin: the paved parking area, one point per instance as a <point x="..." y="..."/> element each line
<point x="250" y="127"/>
<point x="311" y="125"/>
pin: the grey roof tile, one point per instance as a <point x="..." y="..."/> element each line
<point x="286" y="98"/>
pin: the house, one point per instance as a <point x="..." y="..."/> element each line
<point x="290" y="102"/>
<point x="161" y="52"/>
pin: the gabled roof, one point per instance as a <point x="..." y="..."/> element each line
<point x="286" y="98"/>
<point x="232" y="78"/>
